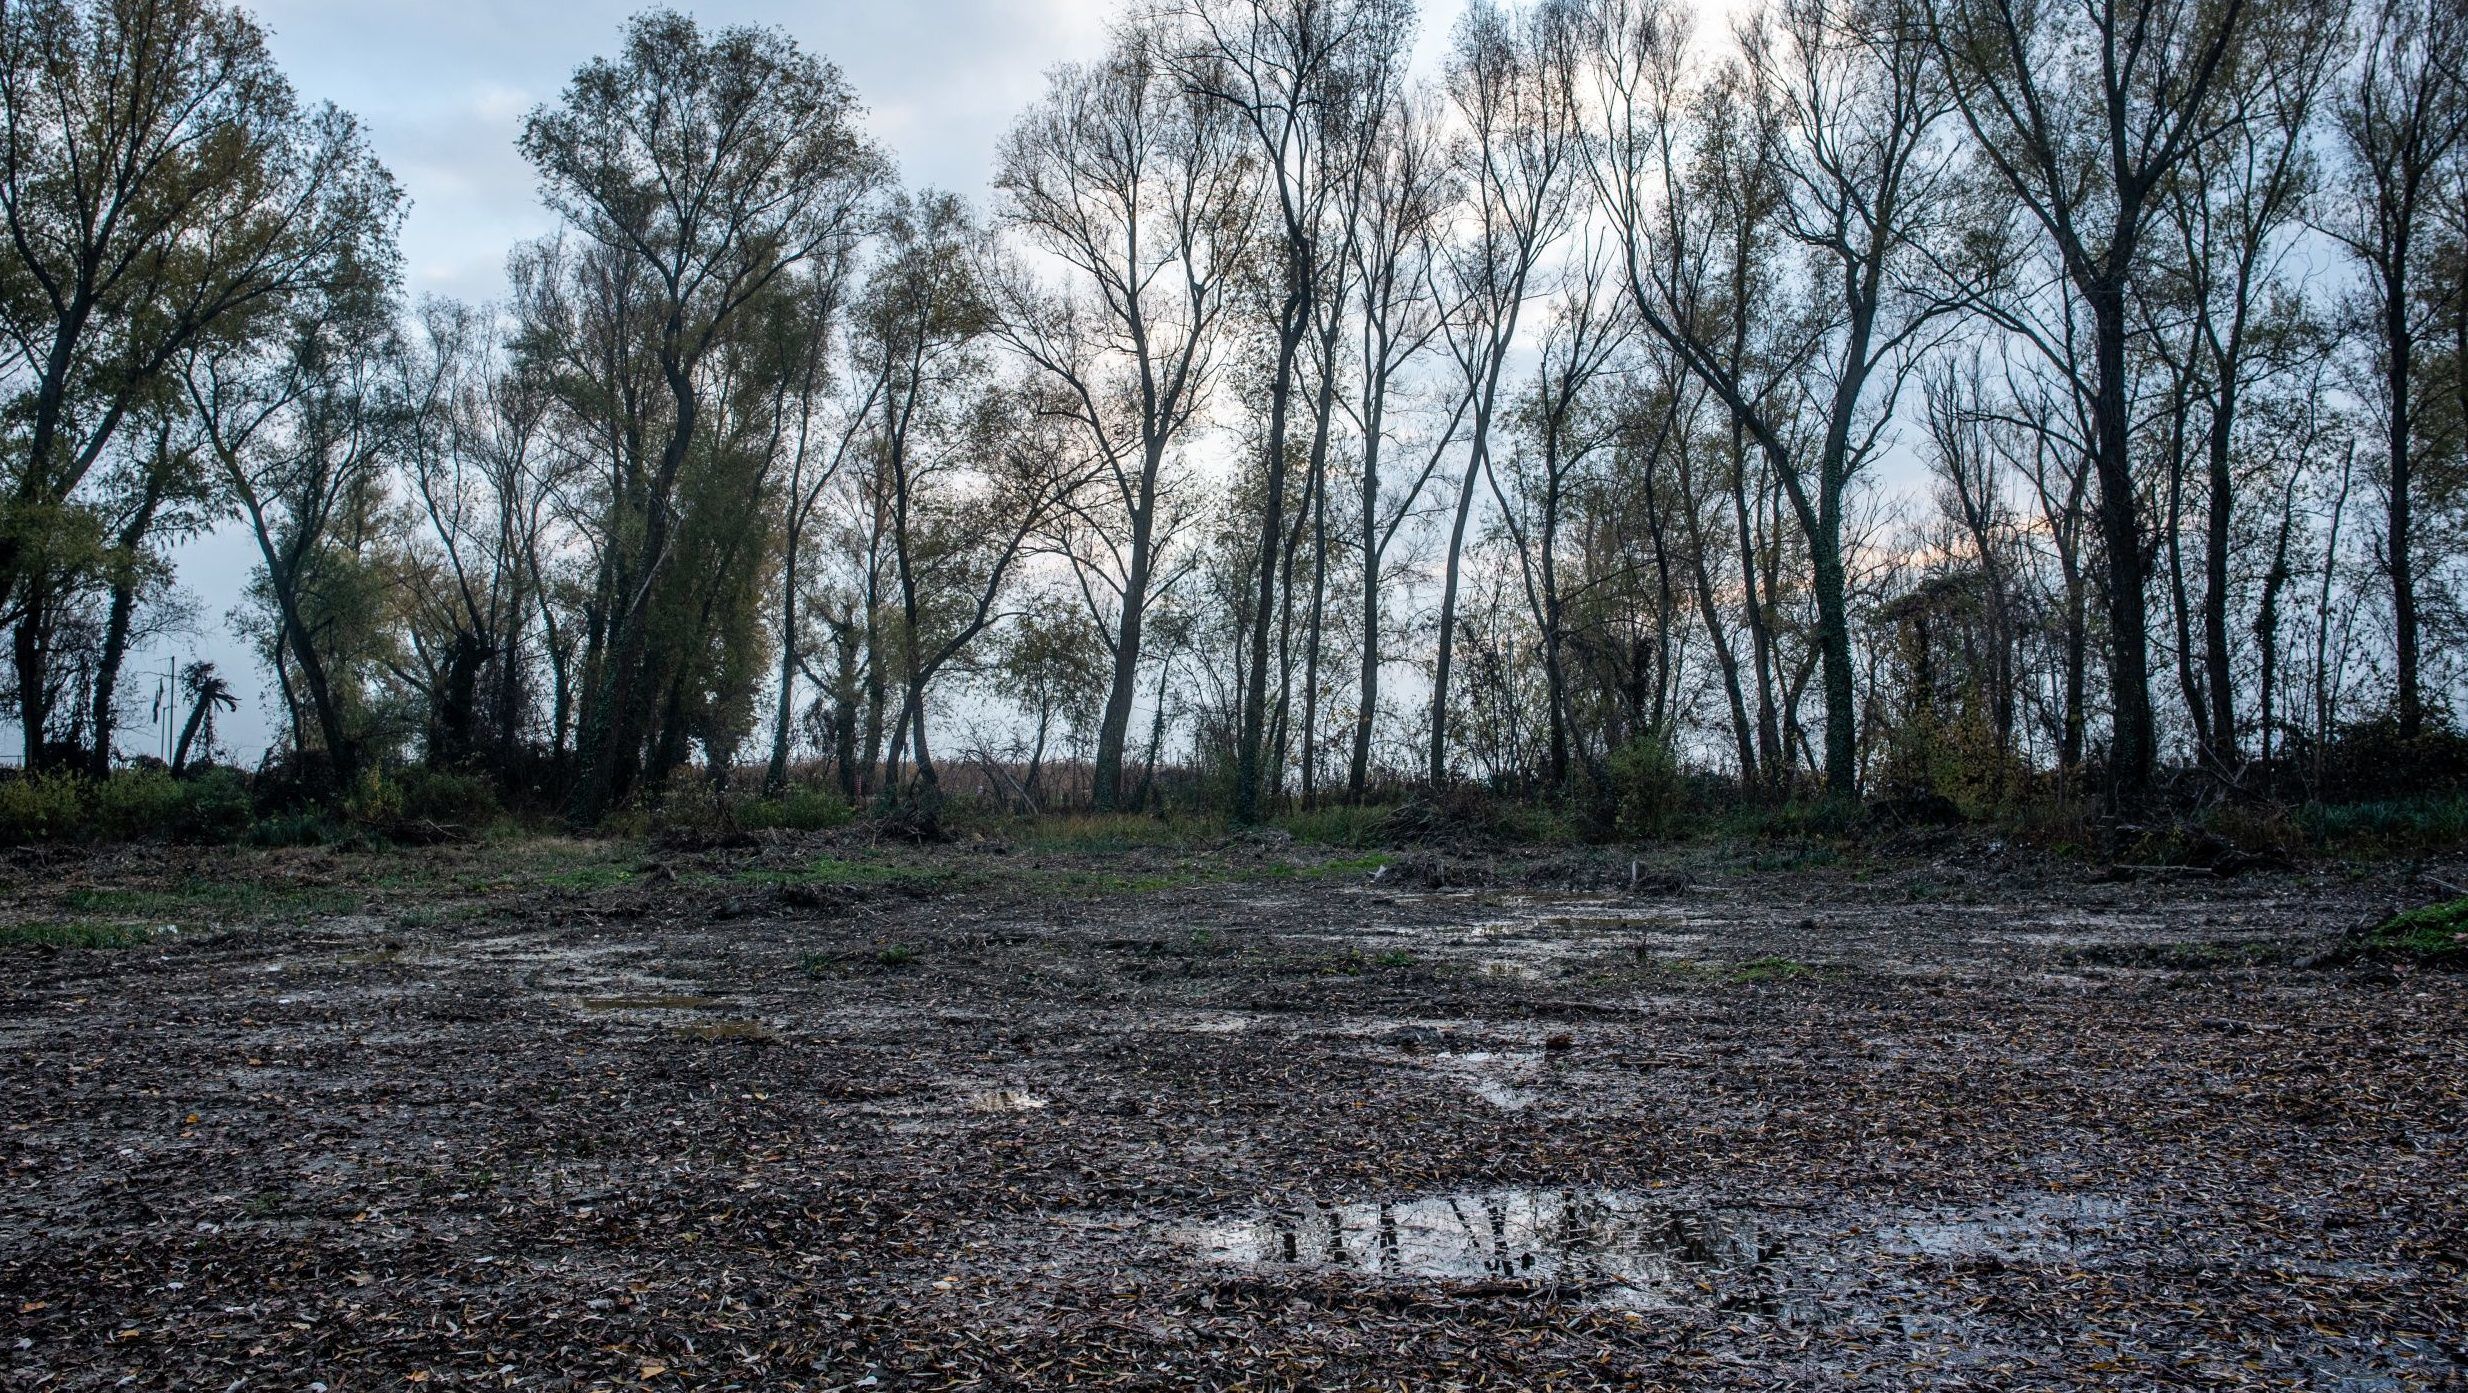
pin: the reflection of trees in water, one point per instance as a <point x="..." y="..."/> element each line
<point x="1570" y="1236"/>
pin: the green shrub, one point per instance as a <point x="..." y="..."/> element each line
<point x="2402" y="827"/>
<point x="136" y="803"/>
<point x="376" y="801"/>
<point x="799" y="810"/>
<point x="307" y="827"/>
<point x="1347" y="825"/>
<point x="447" y="798"/>
<point x="218" y="807"/>
<point x="40" y="808"/>
<point x="1648" y="789"/>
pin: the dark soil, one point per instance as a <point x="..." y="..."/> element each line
<point x="805" y="1114"/>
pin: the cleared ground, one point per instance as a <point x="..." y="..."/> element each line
<point x="808" y="1113"/>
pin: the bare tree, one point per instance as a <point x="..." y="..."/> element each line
<point x="2402" y="120"/>
<point x="2083" y="114"/>
<point x="2232" y="209"/>
<point x="1833" y="132"/>
<point x="1512" y="85"/>
<point x="1145" y="193"/>
<point x="813" y="463"/>
<point x="1282" y="67"/>
<point x="1408" y="194"/>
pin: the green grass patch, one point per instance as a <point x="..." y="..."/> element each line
<point x="2403" y="827"/>
<point x="73" y="935"/>
<point x="833" y="870"/>
<point x="1773" y="969"/>
<point x="2434" y="933"/>
<point x="595" y="877"/>
<point x="1322" y="870"/>
<point x="217" y="901"/>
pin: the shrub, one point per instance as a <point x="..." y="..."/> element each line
<point x="448" y="798"/>
<point x="1347" y="825"/>
<point x="375" y="801"/>
<point x="2368" y="762"/>
<point x="306" y="827"/>
<point x="2417" y="827"/>
<point x="136" y="803"/>
<point x="800" y="810"/>
<point x="39" y="808"/>
<point x="1647" y="789"/>
<point x="217" y="808"/>
<point x="910" y="814"/>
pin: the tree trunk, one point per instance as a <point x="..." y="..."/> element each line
<point x="31" y="649"/>
<point x="2131" y="746"/>
<point x="775" y="778"/>
<point x="2399" y="538"/>
<point x="1367" y="698"/>
<point x="1436" y="768"/>
<point x="1114" y="727"/>
<point x="1254" y="727"/>
<point x="2218" y="677"/>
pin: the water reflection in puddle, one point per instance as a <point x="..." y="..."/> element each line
<point x="2039" y="1228"/>
<point x="1620" y="1247"/>
<point x="1508" y="1081"/>
<point x="1005" y="1100"/>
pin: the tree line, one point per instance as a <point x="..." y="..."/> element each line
<point x="1875" y="397"/>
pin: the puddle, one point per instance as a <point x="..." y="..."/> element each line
<point x="1509" y="1081"/>
<point x="2038" y="1229"/>
<point x="1528" y="938"/>
<point x="1618" y="1247"/>
<point x="1005" y="1100"/>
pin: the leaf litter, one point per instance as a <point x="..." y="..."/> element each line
<point x="1737" y="1128"/>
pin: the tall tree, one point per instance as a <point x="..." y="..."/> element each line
<point x="1830" y="136"/>
<point x="2232" y="211"/>
<point x="1145" y="193"/>
<point x="163" y="189"/>
<point x="716" y="165"/>
<point x="1284" y="68"/>
<point x="1409" y="191"/>
<point x="2402" y="122"/>
<point x="2083" y="114"/>
<point x="1512" y="85"/>
<point x="300" y="435"/>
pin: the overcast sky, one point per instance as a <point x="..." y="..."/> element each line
<point x="443" y="86"/>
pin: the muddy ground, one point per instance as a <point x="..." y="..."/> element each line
<point x="807" y="1113"/>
